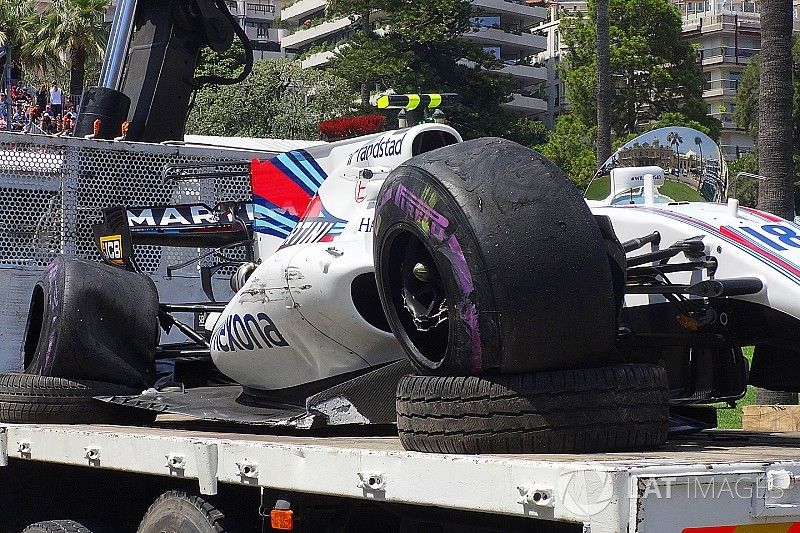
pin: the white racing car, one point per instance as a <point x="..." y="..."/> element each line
<point x="464" y="289"/>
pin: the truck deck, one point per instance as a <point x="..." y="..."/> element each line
<point x="716" y="478"/>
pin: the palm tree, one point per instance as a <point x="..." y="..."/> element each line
<point x="699" y="142"/>
<point x="18" y="21"/>
<point x="674" y="139"/>
<point x="603" y="83"/>
<point x="775" y="191"/>
<point x="75" y="28"/>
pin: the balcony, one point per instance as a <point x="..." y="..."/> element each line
<point x="727" y="22"/>
<point x="526" y="105"/>
<point x="726" y="54"/>
<point x="525" y="73"/>
<point x="306" y="36"/>
<point x="726" y="118"/>
<point x="301" y="9"/>
<point x="526" y="43"/>
<point x="258" y="11"/>
<point x="717" y="88"/>
<point x="320" y="59"/>
<point x="531" y="15"/>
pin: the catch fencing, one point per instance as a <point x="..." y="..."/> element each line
<point x="52" y="190"/>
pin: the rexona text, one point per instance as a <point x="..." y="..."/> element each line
<point x="246" y="333"/>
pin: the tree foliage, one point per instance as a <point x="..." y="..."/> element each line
<point x="419" y="47"/>
<point x="746" y="117"/>
<point x="571" y="147"/>
<point x="19" y="21"/>
<point x="279" y="99"/>
<point x="78" y="28"/>
<point x="654" y="70"/>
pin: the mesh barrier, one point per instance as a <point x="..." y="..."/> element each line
<point x="53" y="190"/>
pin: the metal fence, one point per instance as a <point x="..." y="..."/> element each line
<point x="52" y="190"/>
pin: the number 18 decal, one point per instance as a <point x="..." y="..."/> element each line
<point x="776" y="236"/>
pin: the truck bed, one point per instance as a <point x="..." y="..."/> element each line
<point x="716" y="478"/>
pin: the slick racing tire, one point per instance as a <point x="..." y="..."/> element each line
<point x="90" y="321"/>
<point x="488" y="259"/>
<point x="178" y="512"/>
<point x="607" y="409"/>
<point x="56" y="526"/>
<point x="33" y="399"/>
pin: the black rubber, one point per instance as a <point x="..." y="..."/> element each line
<point x="614" y="408"/>
<point x="56" y="526"/>
<point x="92" y="321"/>
<point x="29" y="399"/>
<point x="179" y="512"/>
<point x="517" y="254"/>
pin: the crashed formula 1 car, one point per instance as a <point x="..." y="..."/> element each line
<point x="464" y="289"/>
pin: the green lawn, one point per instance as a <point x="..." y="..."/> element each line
<point x="731" y="418"/>
<point x="679" y="192"/>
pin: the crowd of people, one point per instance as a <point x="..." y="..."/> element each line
<point x="41" y="110"/>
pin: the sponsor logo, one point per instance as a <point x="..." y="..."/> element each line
<point x="246" y="333"/>
<point x="366" y="225"/>
<point x="420" y="210"/>
<point x="111" y="246"/>
<point x="385" y="147"/>
<point x="184" y="215"/>
<point x="360" y="195"/>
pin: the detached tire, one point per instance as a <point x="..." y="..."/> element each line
<point x="488" y="259"/>
<point x="56" y="526"/>
<point x="91" y="321"/>
<point x="32" y="399"/>
<point x="178" y="512"/>
<point x="607" y="409"/>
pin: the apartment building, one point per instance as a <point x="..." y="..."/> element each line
<point x="257" y="17"/>
<point x="727" y="36"/>
<point x="501" y="27"/>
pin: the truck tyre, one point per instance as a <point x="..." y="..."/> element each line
<point x="488" y="259"/>
<point x="56" y="526"/>
<point x="614" y="408"/>
<point x="92" y="321"/>
<point x="178" y="512"/>
<point x="31" y="399"/>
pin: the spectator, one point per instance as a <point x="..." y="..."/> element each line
<point x="33" y="112"/>
<point x="56" y="98"/>
<point x="41" y="97"/>
<point x="48" y="110"/>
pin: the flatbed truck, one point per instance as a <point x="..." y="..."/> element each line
<point x="106" y="477"/>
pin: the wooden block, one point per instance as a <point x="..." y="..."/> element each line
<point x="771" y="417"/>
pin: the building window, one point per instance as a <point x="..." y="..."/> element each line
<point x="490" y="21"/>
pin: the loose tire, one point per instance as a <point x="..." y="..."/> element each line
<point x="29" y="399"/>
<point x="56" y="526"/>
<point x="614" y="408"/>
<point x="488" y="259"/>
<point x="178" y="512"/>
<point x="90" y="321"/>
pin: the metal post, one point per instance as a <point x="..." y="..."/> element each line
<point x="117" y="49"/>
<point x="7" y="86"/>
